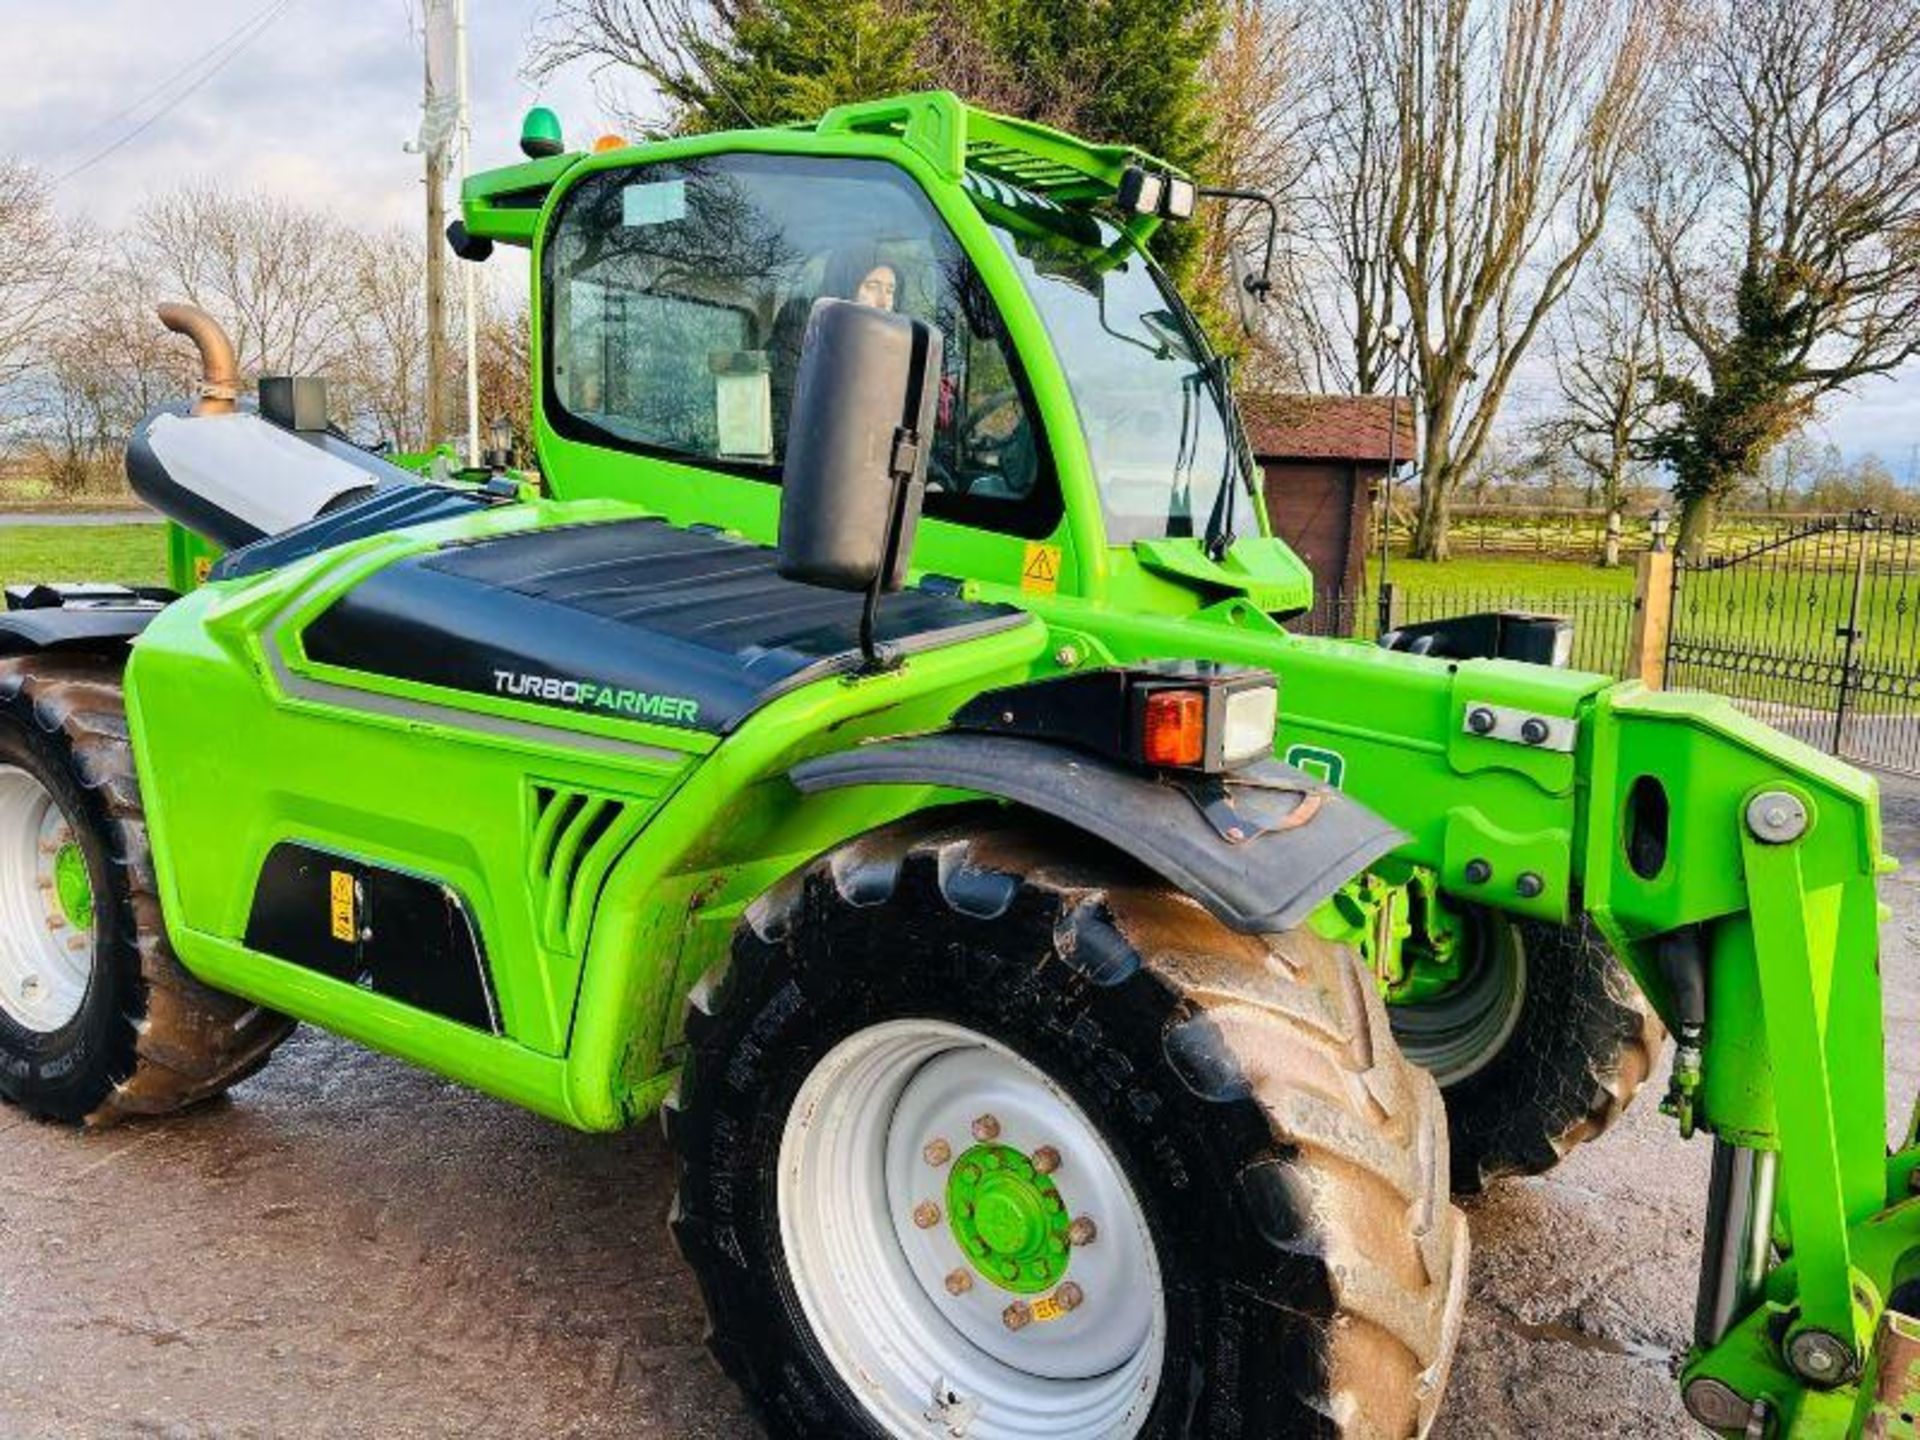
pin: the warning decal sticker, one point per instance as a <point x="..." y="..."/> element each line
<point x="1040" y="570"/>
<point x="345" y="924"/>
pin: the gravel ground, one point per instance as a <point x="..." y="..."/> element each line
<point x="350" y="1247"/>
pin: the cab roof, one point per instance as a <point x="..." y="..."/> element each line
<point x="957" y="139"/>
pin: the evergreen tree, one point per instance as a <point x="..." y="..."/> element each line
<point x="1124" y="71"/>
<point x="788" y="60"/>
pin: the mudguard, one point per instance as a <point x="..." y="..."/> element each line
<point x="1260" y="848"/>
<point x="96" y="619"/>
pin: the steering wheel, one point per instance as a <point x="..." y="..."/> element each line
<point x="990" y="447"/>
<point x="1009" y="461"/>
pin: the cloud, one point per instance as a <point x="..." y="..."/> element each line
<point x="317" y="106"/>
<point x="1882" y="414"/>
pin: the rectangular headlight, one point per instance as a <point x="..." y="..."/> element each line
<point x="1250" y="717"/>
<point x="1140" y="190"/>
<point x="1178" y="202"/>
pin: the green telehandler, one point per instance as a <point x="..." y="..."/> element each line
<point x="874" y="744"/>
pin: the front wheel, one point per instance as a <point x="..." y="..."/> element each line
<point x="977" y="1141"/>
<point x="1539" y="1046"/>
<point x="98" y="1020"/>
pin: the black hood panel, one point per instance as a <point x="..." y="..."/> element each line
<point x="629" y="618"/>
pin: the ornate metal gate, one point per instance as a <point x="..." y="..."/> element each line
<point x="1815" y="630"/>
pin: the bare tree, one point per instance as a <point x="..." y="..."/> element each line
<point x="388" y="383"/>
<point x="1354" y="293"/>
<point x="1511" y="124"/>
<point x="1785" y="208"/>
<point x="666" y="42"/>
<point x="107" y="365"/>
<point x="1605" y="345"/>
<point x="505" y="363"/>
<point x="298" y="293"/>
<point x="38" y="258"/>
<point x="1789" y="472"/>
<point x="692" y="54"/>
<point x="279" y="276"/>
<point x="1261" y="142"/>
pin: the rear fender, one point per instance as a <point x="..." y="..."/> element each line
<point x="99" y="620"/>
<point x="1260" y="850"/>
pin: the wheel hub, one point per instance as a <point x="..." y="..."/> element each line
<point x="1009" y="1218"/>
<point x="46" y="908"/>
<point x="1455" y="1034"/>
<point x="72" y="888"/>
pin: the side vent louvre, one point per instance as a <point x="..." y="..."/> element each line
<point x="576" y="838"/>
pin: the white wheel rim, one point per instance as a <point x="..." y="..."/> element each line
<point x="46" y="955"/>
<point x="872" y="1276"/>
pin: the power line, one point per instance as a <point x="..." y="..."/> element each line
<point x="239" y="41"/>
<point x="80" y="142"/>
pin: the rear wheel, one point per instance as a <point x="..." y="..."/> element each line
<point x="977" y="1140"/>
<point x="1540" y="1046"/>
<point x="97" y="1018"/>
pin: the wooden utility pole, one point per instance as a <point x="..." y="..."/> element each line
<point x="437" y="428"/>
<point x="469" y="272"/>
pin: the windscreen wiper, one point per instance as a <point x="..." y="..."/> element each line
<point x="1218" y="370"/>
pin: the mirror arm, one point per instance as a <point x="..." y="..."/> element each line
<point x="904" y="462"/>
<point x="1259" y="285"/>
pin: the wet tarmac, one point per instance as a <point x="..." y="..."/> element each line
<point x="350" y="1247"/>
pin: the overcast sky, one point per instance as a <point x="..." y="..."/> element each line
<point x="319" y="104"/>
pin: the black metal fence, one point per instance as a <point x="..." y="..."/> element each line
<point x="1602" y="620"/>
<point x="1815" y="630"/>
<point x="1812" y="625"/>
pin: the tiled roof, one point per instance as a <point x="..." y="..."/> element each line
<point x="1327" y="427"/>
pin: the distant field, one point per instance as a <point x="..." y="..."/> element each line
<point x="1548" y="532"/>
<point x="135" y="554"/>
<point x="1513" y="573"/>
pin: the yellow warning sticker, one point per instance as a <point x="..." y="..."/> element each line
<point x="1048" y="1307"/>
<point x="1040" y="570"/>
<point x="202" y="567"/>
<point x="345" y="924"/>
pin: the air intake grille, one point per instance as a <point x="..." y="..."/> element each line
<point x="576" y="838"/>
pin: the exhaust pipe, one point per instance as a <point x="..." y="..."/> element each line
<point x="247" y="477"/>
<point x="219" y="370"/>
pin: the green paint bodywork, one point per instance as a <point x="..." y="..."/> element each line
<point x="243" y="741"/>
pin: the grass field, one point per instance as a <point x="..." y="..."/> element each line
<point x="134" y="554"/>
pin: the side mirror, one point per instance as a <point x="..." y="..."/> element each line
<point x="1249" y="294"/>
<point x="857" y="439"/>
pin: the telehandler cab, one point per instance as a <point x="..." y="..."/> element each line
<point x="876" y="744"/>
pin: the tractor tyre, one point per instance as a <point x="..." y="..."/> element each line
<point x="1540" y="1047"/>
<point x="983" y="1130"/>
<point x="98" y="1020"/>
